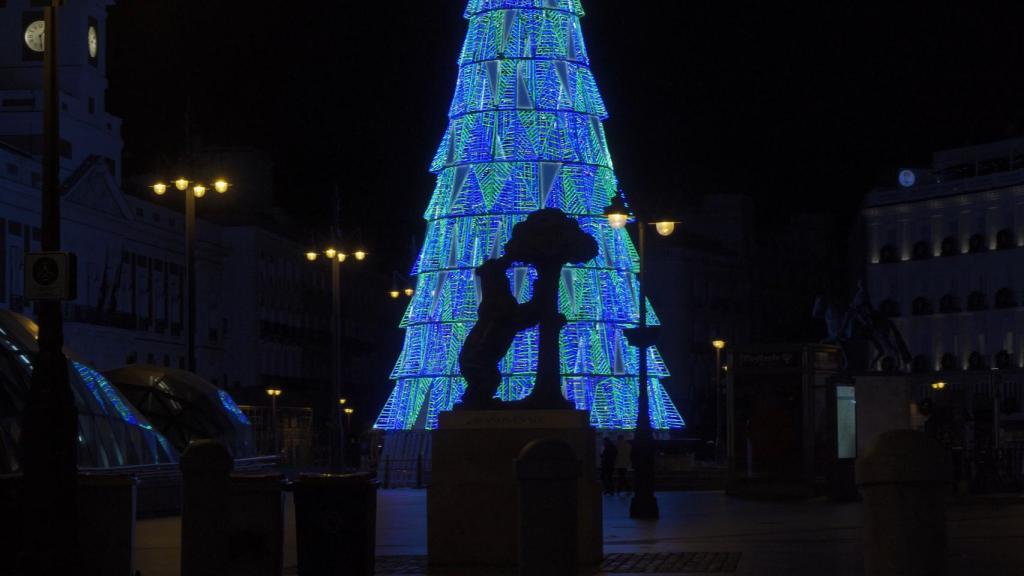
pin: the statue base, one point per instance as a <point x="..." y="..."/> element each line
<point x="472" y="501"/>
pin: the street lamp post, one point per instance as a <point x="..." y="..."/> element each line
<point x="274" y="393"/>
<point x="198" y="191"/>
<point x="644" y="504"/>
<point x="337" y="440"/>
<point x="49" y="431"/>
<point x="718" y="345"/>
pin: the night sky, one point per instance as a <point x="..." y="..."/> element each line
<point x="804" y="106"/>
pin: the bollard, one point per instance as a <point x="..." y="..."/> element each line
<point x="256" y="526"/>
<point x="548" y="471"/>
<point x="10" y="531"/>
<point x="336" y="524"/>
<point x="904" y="476"/>
<point x="106" y="525"/>
<point x="206" y="488"/>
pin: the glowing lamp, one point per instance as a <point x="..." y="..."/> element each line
<point x="359" y="254"/>
<point x="349" y="411"/>
<point x="311" y="256"/>
<point x="617" y="213"/>
<point x="409" y="292"/>
<point x="342" y="256"/>
<point x="273" y="392"/>
<point x="394" y="294"/>
<point x="938" y="385"/>
<point x="199" y="190"/>
<point x="718" y="344"/>
<point x="342" y="401"/>
<point x="665" y="228"/>
<point x="330" y="253"/>
<point x="221" y="186"/>
<point x="181" y="184"/>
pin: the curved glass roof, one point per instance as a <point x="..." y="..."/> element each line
<point x="111" y="432"/>
<point x="185" y="407"/>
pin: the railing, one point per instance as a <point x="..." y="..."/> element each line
<point x="404" y="473"/>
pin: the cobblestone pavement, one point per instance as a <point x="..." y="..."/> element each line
<point x="698" y="533"/>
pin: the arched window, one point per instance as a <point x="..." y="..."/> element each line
<point x="976" y="301"/>
<point x="889" y="308"/>
<point x="921" y="363"/>
<point x="948" y="362"/>
<point x="976" y="243"/>
<point x="949" y="303"/>
<point x="922" y="250"/>
<point x="1003" y="360"/>
<point x="1004" y="239"/>
<point x="949" y="247"/>
<point x="976" y="361"/>
<point x="888" y="254"/>
<point x="1005" y="298"/>
<point x="921" y="306"/>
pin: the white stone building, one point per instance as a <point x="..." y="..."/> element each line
<point x="945" y="257"/>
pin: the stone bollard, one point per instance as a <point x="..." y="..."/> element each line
<point x="256" y="526"/>
<point x="904" y="476"/>
<point x="548" y="472"/>
<point x="336" y="524"/>
<point x="206" y="495"/>
<point x="106" y="525"/>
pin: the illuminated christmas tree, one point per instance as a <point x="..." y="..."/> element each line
<point x="525" y="133"/>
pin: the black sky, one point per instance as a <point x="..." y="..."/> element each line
<point x="804" y="106"/>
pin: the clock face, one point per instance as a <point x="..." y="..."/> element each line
<point x="35" y="36"/>
<point x="94" y="41"/>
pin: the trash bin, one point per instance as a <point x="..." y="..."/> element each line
<point x="904" y="476"/>
<point x="335" y="524"/>
<point x="106" y="525"/>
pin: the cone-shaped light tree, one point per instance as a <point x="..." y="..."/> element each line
<point x="525" y="133"/>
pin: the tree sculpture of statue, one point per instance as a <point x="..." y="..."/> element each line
<point x="546" y="240"/>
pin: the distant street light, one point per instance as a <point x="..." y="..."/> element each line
<point x="938" y="385"/>
<point x="336" y="258"/>
<point x="198" y="191"/>
<point x="644" y="504"/>
<point x="718" y="345"/>
<point x="274" y="393"/>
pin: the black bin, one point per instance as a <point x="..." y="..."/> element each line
<point x="336" y="524"/>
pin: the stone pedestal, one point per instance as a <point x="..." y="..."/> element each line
<point x="472" y="501"/>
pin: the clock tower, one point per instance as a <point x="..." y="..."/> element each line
<point x="86" y="127"/>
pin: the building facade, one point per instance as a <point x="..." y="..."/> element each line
<point x="945" y="258"/>
<point x="259" y="307"/>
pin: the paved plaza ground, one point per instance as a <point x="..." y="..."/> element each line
<point x="698" y="533"/>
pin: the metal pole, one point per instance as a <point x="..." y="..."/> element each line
<point x="190" y="274"/>
<point x="273" y="423"/>
<point x="337" y="442"/>
<point x="643" y="504"/>
<point x="718" y="404"/>
<point x="50" y="423"/>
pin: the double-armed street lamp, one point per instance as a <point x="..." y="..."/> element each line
<point x="193" y="191"/>
<point x="336" y="258"/>
<point x="643" y="504"/>
<point x="395" y="293"/>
